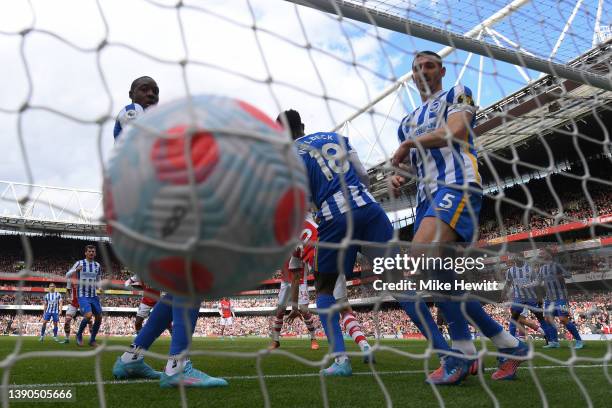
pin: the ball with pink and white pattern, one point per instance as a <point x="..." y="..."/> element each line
<point x="204" y="197"/>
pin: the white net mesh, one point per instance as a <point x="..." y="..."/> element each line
<point x="543" y="145"/>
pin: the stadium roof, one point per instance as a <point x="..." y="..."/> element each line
<point x="542" y="107"/>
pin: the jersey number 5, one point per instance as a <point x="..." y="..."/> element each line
<point x="330" y="159"/>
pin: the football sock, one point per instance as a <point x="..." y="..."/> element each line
<point x="571" y="327"/>
<point x="331" y="323"/>
<point x="184" y="317"/>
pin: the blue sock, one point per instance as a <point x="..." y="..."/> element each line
<point x="184" y="317"/>
<point x="550" y="331"/>
<point x="82" y="327"/>
<point x="484" y="322"/>
<point x="430" y="329"/>
<point x="457" y="324"/>
<point x="333" y="332"/>
<point x="571" y="327"/>
<point x="43" y="329"/>
<point x="94" y="330"/>
<point x="160" y="318"/>
<point x="54" y="331"/>
<point x="512" y="328"/>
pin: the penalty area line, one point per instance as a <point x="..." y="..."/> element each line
<point x="272" y="376"/>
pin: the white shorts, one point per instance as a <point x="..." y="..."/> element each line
<point x="284" y="294"/>
<point x="71" y="311"/>
<point x="226" y="321"/>
<point x="340" y="291"/>
<point x="144" y="310"/>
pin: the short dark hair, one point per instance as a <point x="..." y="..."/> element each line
<point x="89" y="247"/>
<point x="293" y="119"/>
<point x="427" y="53"/>
<point x="134" y="82"/>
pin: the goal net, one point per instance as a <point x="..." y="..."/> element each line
<point x="540" y="80"/>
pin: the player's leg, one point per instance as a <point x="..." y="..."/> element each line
<point x="138" y="323"/>
<point x="141" y="314"/>
<point x="515" y="313"/>
<point x="67" y="324"/>
<point x="55" y="322"/>
<point x="230" y="326"/>
<point x="349" y="323"/>
<point x="131" y="363"/>
<point x="96" y="309"/>
<point x="309" y="321"/>
<point x="86" y="311"/>
<point x="279" y="314"/>
<point x="179" y="368"/>
<point x="46" y="319"/>
<point x="326" y="272"/>
<point x="562" y="312"/>
<point x="547" y="321"/>
<point x="461" y="219"/>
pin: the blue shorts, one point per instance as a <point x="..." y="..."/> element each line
<point x="518" y="305"/>
<point x="90" y="304"/>
<point x="48" y="316"/>
<point x="370" y="223"/>
<point x="451" y="206"/>
<point x="556" y="308"/>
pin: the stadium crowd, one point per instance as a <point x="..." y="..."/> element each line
<point x="591" y="312"/>
<point x="575" y="206"/>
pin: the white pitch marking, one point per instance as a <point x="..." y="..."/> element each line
<point x="270" y="376"/>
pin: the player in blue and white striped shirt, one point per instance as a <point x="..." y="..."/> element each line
<point x="144" y="93"/>
<point x="52" y="308"/>
<point x="437" y="146"/>
<point x="339" y="189"/>
<point x="552" y="275"/>
<point x="520" y="284"/>
<point x="89" y="274"/>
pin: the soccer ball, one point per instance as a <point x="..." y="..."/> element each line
<point x="216" y="223"/>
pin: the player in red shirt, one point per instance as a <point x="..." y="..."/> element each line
<point x="294" y="278"/>
<point x="348" y="322"/>
<point x="226" y="311"/>
<point x="149" y="299"/>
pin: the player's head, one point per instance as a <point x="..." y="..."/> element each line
<point x="546" y="254"/>
<point x="292" y="119"/>
<point x="90" y="252"/>
<point x="144" y="91"/>
<point x="52" y="287"/>
<point x="428" y="71"/>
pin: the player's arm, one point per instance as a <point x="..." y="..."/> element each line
<point x="77" y="267"/>
<point x="359" y="168"/>
<point x="220" y="310"/>
<point x="61" y="305"/>
<point x="457" y="126"/>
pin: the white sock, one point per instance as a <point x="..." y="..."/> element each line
<point x="174" y="366"/>
<point x="504" y="340"/>
<point x="133" y="355"/>
<point x="465" y="346"/>
<point x="363" y="344"/>
<point x="341" y="359"/>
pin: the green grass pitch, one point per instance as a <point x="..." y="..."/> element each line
<point x="293" y="384"/>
